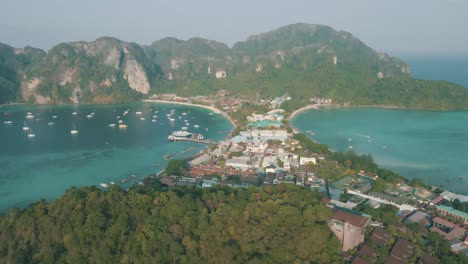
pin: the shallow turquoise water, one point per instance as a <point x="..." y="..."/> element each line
<point x="431" y="145"/>
<point x="45" y="166"/>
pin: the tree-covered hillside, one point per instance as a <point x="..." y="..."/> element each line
<point x="279" y="224"/>
<point x="303" y="60"/>
<point x="13" y="63"/>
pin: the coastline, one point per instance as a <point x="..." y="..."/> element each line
<point x="308" y="107"/>
<point x="214" y="109"/>
<point x="314" y="106"/>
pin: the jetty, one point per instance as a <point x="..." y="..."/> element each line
<point x="194" y="138"/>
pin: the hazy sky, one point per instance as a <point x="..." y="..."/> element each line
<point x="394" y="26"/>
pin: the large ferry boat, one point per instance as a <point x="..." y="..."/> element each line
<point x="179" y="135"/>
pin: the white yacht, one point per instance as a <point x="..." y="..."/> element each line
<point x="74" y="131"/>
<point x="31" y="134"/>
<point x="25" y="127"/>
<point x="111" y="125"/>
<point x="103" y="185"/>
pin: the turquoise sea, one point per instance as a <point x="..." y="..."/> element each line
<point x="430" y="145"/>
<point x="54" y="160"/>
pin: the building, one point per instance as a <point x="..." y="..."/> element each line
<point x="256" y="147"/>
<point x="209" y="183"/>
<point x="283" y="178"/>
<point x="220" y="74"/>
<point x="428" y="259"/>
<point x="447" y="229"/>
<point x="349" y="226"/>
<point x="266" y="123"/>
<point x="379" y="236"/>
<point x="305" y="160"/>
<point x="418" y="217"/>
<point x="260" y="135"/>
<point x="393" y="199"/>
<point x="241" y="163"/>
<point x="456" y="214"/>
<point x="436" y="200"/>
<point x="401" y="251"/>
<point x="348" y="205"/>
<point x="450" y="196"/>
<point x="368" y="254"/>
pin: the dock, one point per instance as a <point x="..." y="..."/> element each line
<point x="194" y="138"/>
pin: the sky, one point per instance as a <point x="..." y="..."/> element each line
<point x="393" y="26"/>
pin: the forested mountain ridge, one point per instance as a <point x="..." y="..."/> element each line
<point x="303" y="60"/>
<point x="276" y="224"/>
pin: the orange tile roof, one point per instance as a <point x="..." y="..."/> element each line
<point x="353" y="219"/>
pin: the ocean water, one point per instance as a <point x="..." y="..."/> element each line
<point x="430" y="145"/>
<point x="453" y="67"/>
<point x="45" y="166"/>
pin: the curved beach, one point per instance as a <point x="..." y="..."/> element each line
<point x="308" y="107"/>
<point x="214" y="109"/>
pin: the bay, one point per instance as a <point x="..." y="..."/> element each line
<point x="54" y="160"/>
<point x="430" y="145"/>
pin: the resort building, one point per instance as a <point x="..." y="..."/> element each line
<point x="456" y="214"/>
<point x="349" y="226"/>
<point x="447" y="229"/>
<point x="260" y="135"/>
<point x="450" y="196"/>
<point x="379" y="236"/>
<point x="256" y="147"/>
<point x="305" y="160"/>
<point x="401" y="251"/>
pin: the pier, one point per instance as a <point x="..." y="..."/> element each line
<point x="194" y="138"/>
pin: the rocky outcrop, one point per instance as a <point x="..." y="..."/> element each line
<point x="136" y="76"/>
<point x="28" y="88"/>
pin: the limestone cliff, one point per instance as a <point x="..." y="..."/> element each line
<point x="303" y="60"/>
<point x="88" y="71"/>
